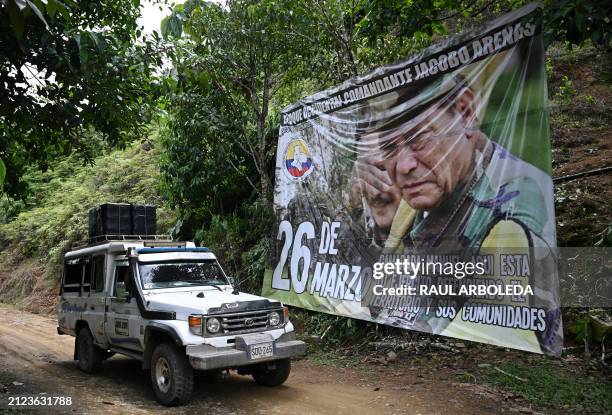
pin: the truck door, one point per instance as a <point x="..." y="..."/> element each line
<point x="96" y="297"/>
<point x="123" y="317"/>
<point x="70" y="310"/>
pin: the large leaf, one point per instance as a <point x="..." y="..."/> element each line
<point x="171" y="26"/>
<point x="21" y="4"/>
<point x="16" y="18"/>
<point x="37" y="12"/>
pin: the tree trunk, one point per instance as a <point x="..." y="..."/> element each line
<point x="266" y="191"/>
<point x="261" y="115"/>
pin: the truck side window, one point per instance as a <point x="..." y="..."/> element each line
<point x="86" y="274"/>
<point x="98" y="273"/>
<point x="73" y="272"/>
<point x="121" y="289"/>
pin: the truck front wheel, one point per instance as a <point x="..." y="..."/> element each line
<point x="88" y="354"/>
<point x="171" y="375"/>
<point x="272" y="374"/>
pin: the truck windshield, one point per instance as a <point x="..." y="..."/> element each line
<point x="180" y="274"/>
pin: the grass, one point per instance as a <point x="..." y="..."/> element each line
<point x="547" y="385"/>
<point x="323" y="358"/>
<point x="332" y="358"/>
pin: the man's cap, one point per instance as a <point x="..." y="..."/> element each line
<point x="389" y="111"/>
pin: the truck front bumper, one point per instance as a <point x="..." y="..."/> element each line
<point x="206" y="357"/>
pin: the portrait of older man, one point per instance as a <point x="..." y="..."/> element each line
<point x="460" y="191"/>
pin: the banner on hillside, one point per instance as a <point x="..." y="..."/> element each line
<point x="419" y="195"/>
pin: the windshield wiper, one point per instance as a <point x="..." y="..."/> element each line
<point x="216" y="286"/>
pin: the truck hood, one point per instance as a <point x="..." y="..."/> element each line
<point x="211" y="301"/>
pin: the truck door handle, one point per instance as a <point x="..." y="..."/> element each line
<point x="106" y="308"/>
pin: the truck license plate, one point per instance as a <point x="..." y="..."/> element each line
<point x="261" y="350"/>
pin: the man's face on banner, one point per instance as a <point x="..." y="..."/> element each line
<point x="429" y="159"/>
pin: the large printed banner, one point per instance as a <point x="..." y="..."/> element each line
<point x="419" y="195"/>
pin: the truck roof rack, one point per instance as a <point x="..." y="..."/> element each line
<point x="162" y="243"/>
<point x="149" y="240"/>
<point x="164" y="249"/>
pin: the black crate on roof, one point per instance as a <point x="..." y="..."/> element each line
<point x="115" y="219"/>
<point x="144" y="219"/>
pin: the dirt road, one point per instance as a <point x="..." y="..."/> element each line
<point x="35" y="360"/>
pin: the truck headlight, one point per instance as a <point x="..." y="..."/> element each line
<point x="274" y="318"/>
<point x="212" y="325"/>
<point x="195" y="325"/>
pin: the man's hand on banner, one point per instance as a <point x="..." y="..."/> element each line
<point x="369" y="178"/>
<point x="371" y="182"/>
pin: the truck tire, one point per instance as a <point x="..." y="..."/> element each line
<point x="89" y="356"/>
<point x="266" y="375"/>
<point x="171" y="375"/>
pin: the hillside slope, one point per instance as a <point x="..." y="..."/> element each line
<point x="34" y="241"/>
<point x="580" y="91"/>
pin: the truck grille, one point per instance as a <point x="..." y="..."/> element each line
<point x="247" y="322"/>
<point x="244" y="321"/>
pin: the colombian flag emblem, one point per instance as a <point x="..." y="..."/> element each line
<point x="298" y="161"/>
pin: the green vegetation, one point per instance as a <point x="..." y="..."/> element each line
<point x="320" y="357"/>
<point x="67" y="67"/>
<point x="547" y="385"/>
<point x="54" y="214"/>
<point x="566" y="89"/>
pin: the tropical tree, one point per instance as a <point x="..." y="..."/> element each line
<point x="240" y="56"/>
<point x="68" y="68"/>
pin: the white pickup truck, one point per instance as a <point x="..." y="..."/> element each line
<point x="171" y="306"/>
